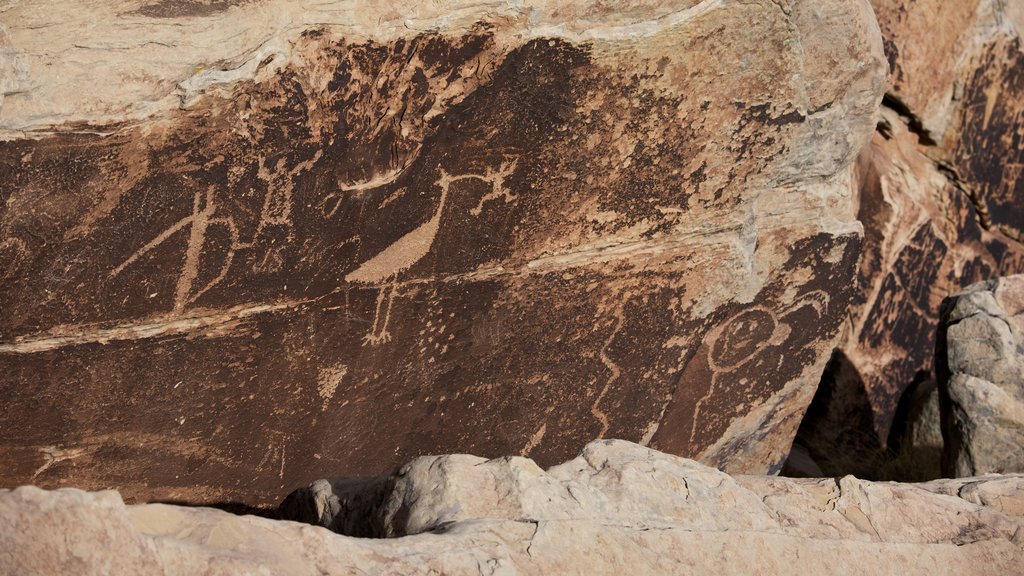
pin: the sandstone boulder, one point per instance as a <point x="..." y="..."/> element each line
<point x="249" y="244"/>
<point x="980" y="355"/>
<point x="618" y="507"/>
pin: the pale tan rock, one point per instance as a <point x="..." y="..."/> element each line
<point x="179" y="50"/>
<point x="980" y="358"/>
<point x="90" y="533"/>
<point x="617" y="508"/>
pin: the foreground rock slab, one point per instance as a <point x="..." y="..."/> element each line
<point x="359" y="232"/>
<point x="981" y="378"/>
<point x="617" y="507"/>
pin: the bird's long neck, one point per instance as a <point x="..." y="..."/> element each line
<point x="440" y="205"/>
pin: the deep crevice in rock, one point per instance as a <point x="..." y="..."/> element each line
<point x="894" y="103"/>
<point x="951" y="174"/>
<point x="233" y="507"/>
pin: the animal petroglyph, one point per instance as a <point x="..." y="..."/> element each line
<point x="411" y="248"/>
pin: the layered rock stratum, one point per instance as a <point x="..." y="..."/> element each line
<point x="618" y="506"/>
<point x="249" y="244"/>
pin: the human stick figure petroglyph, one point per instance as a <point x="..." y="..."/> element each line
<point x="276" y="211"/>
<point x="744" y="336"/>
<point x="411" y="248"/>
<point x="199" y="221"/>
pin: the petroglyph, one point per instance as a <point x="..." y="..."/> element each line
<point x="534" y="441"/>
<point x="199" y="222"/>
<point x="379" y="180"/>
<point x="612" y="367"/>
<point x="54" y="454"/>
<point x="562" y="185"/>
<point x="277" y="202"/>
<point x="411" y="248"/>
<point x="393" y="196"/>
<point x="197" y="237"/>
<point x="739" y="341"/>
<point x="276" y="211"/>
<point x="498" y="190"/>
<point x="328" y="381"/>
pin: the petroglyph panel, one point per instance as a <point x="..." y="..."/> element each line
<point x="502" y="236"/>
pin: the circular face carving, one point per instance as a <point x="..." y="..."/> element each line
<point x="741" y="337"/>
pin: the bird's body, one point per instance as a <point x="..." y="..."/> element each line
<point x="403" y="253"/>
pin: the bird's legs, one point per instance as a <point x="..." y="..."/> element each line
<point x="379" y="331"/>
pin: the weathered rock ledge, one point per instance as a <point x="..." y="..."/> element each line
<point x="618" y="506"/>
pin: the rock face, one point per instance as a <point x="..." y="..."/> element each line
<point x="980" y="355"/>
<point x="617" y="506"/>
<point x="922" y="241"/>
<point x="357" y="232"/>
<point x="940" y="197"/>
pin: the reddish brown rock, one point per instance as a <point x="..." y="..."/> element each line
<point x="941" y="200"/>
<point x="986" y="140"/>
<point x="385" y="234"/>
<point x="958" y="79"/>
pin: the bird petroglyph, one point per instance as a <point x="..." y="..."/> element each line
<point x="411" y="248"/>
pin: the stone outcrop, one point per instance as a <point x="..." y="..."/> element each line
<point x="617" y="506"/>
<point x="923" y="241"/>
<point x="940" y="197"/>
<point x="980" y="357"/>
<point x="350" y="233"/>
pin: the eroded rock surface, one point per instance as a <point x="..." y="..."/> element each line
<point x="616" y="507"/>
<point x="980" y="355"/>
<point x="923" y="241"/>
<point x="940" y="198"/>
<point x="356" y="232"/>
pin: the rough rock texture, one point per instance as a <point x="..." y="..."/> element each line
<point x="349" y="233"/>
<point x="617" y="507"/>
<point x="980" y="356"/>
<point x="941" y="195"/>
<point x="919" y="430"/>
<point x="923" y="241"/>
